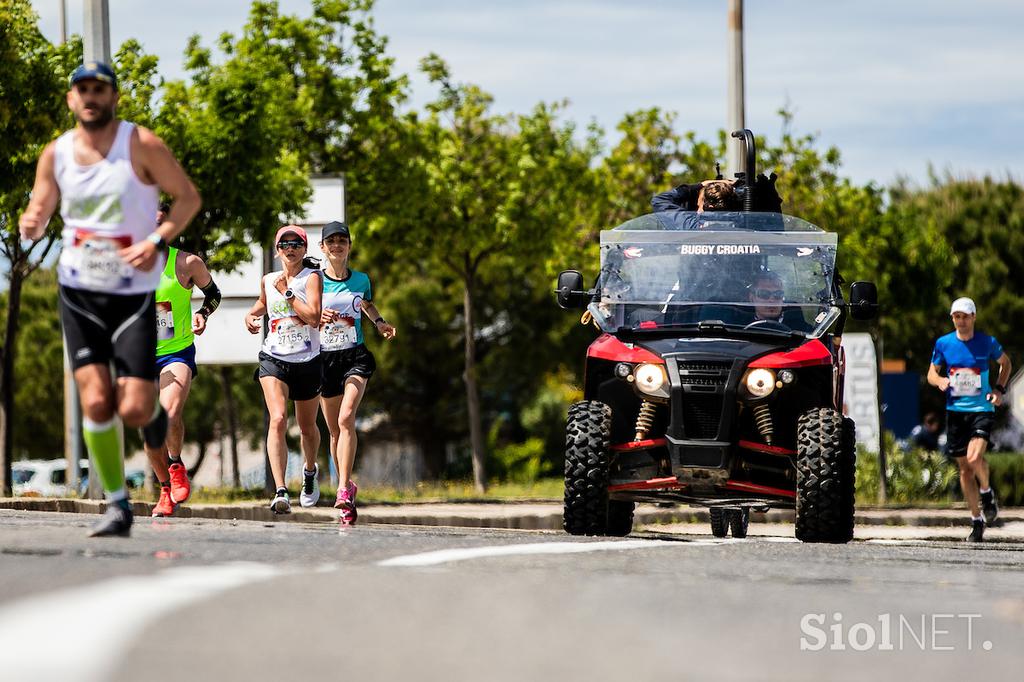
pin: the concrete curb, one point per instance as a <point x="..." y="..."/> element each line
<point x="511" y="515"/>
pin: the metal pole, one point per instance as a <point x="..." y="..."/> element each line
<point x="96" y="45"/>
<point x="269" y="486"/>
<point x="72" y="429"/>
<point x="883" y="479"/>
<point x="63" y="21"/>
<point x="736" y="117"/>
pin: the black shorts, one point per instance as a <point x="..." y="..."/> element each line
<point x="104" y="328"/>
<point x="341" y="364"/>
<point x="961" y="427"/>
<point x="301" y="378"/>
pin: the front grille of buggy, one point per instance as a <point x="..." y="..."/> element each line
<point x="703" y="395"/>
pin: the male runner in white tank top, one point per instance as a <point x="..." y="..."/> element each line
<point x="108" y="175"/>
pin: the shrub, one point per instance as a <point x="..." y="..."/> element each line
<point x="916" y="476"/>
<point x="913" y="475"/>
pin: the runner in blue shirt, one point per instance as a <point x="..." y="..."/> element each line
<point x="347" y="362"/>
<point x="960" y="368"/>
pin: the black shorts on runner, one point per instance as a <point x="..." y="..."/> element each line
<point x="301" y="378"/>
<point x="342" y="364"/>
<point x="961" y="427"/>
<point x="104" y="328"/>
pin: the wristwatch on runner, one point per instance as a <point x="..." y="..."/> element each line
<point x="1000" y="388"/>
<point x="157" y="240"/>
<point x="289" y="294"/>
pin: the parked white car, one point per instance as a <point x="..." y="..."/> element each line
<point x="42" y="477"/>
<point x="48" y="477"/>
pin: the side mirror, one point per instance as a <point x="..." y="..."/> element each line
<point x="570" y="291"/>
<point x="863" y="301"/>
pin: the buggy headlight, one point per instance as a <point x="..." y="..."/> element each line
<point x="760" y="382"/>
<point x="651" y="379"/>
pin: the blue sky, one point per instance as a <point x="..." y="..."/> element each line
<point x="896" y="85"/>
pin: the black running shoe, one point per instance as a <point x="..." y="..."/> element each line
<point x="117" y="520"/>
<point x="977" y="531"/>
<point x="989" y="507"/>
<point x="280" y="503"/>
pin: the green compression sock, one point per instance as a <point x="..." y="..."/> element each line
<point x="101" y="440"/>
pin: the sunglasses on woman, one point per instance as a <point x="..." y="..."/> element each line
<point x="290" y="244"/>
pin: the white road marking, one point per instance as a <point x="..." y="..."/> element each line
<point x="444" y="556"/>
<point x="80" y="633"/>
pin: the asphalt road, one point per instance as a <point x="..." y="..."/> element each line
<point x="189" y="599"/>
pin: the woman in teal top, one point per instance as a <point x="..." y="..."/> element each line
<point x="176" y="330"/>
<point x="347" y="363"/>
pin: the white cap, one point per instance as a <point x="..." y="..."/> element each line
<point x="963" y="305"/>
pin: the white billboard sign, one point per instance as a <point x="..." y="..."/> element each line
<point x="860" y="399"/>
<point x="1015" y="397"/>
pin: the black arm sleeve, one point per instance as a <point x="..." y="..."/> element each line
<point x="211" y="300"/>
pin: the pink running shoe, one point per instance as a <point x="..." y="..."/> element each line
<point x="346" y="502"/>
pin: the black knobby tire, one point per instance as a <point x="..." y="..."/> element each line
<point x="739" y="520"/>
<point x="620" y="518"/>
<point x="849" y="446"/>
<point x="719" y="522"/>
<point x="824" y="479"/>
<point x="587" y="439"/>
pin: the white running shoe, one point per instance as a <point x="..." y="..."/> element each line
<point x="310" y="487"/>
<point x="280" y="504"/>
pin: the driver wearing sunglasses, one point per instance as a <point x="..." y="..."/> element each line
<point x="767" y="294"/>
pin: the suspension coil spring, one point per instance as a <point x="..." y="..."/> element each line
<point x="763" y="420"/>
<point x="644" y="420"/>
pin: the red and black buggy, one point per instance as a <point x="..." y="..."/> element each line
<point x="717" y="377"/>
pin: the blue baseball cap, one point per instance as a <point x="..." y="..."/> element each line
<point x="335" y="227"/>
<point x="95" y="71"/>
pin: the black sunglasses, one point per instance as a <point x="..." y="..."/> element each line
<point x="290" y="244"/>
<point x="769" y="294"/>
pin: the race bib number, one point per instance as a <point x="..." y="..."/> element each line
<point x="964" y="381"/>
<point x="164" y="321"/>
<point x="289" y="336"/>
<point x="339" y="335"/>
<point x="99" y="264"/>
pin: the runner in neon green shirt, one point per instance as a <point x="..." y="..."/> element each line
<point x="176" y="329"/>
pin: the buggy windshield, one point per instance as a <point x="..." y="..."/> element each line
<point x="745" y="272"/>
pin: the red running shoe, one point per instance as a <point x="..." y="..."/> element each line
<point x="180" y="487"/>
<point x="165" y="505"/>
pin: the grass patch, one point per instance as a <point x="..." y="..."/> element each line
<point x="462" y="491"/>
<point x="548" y="489"/>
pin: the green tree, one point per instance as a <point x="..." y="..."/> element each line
<point x="32" y="110"/>
<point x="292" y="95"/>
<point x="38" y="397"/>
<point x="494" y="192"/>
<point x="968" y="241"/>
<point x="230" y="127"/>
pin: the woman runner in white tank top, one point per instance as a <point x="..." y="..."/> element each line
<point x="290" y="359"/>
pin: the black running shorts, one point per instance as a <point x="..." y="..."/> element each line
<point x="342" y="364"/>
<point x="104" y="328"/>
<point x="301" y="378"/>
<point x="961" y="427"/>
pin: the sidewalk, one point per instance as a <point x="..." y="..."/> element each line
<point x="547" y="515"/>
